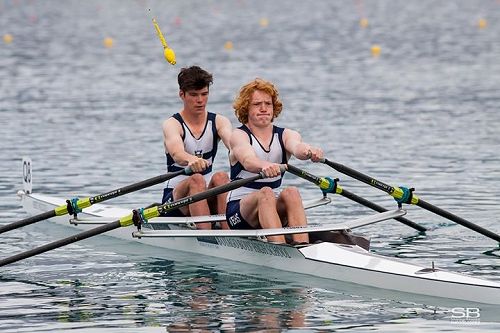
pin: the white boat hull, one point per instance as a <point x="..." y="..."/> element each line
<point x="349" y="263"/>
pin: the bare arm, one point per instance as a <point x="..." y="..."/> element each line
<point x="172" y="140"/>
<point x="301" y="150"/>
<point x="224" y="129"/>
<point x="243" y="152"/>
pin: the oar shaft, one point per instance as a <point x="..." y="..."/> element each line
<point x="360" y="176"/>
<point x="83" y="203"/>
<point x="458" y="219"/>
<point x="207" y="194"/>
<point x="28" y="221"/>
<point x="343" y="192"/>
<point x="380" y="209"/>
<point x="416" y="201"/>
<point x="138" y="186"/>
<point x="60" y="243"/>
<point x="128" y="220"/>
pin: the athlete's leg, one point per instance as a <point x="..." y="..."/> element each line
<point x="217" y="204"/>
<point x="191" y="186"/>
<point x="259" y="210"/>
<point x="290" y="207"/>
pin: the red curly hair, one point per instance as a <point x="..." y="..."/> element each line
<point x="242" y="101"/>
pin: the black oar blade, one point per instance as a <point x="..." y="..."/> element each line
<point x="60" y="243"/>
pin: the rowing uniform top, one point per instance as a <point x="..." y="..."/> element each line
<point x="275" y="154"/>
<point x="205" y="147"/>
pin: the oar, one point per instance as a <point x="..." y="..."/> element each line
<point x="402" y="194"/>
<point x="144" y="214"/>
<point x="76" y="205"/>
<point x="326" y="184"/>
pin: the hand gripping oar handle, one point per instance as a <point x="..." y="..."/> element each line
<point x="162" y="209"/>
<point x="323" y="184"/>
<point x="128" y="220"/>
<point x="87" y="202"/>
<point x="398" y="193"/>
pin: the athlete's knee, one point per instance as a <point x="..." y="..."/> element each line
<point x="291" y="196"/>
<point x="220" y="178"/>
<point x="266" y="194"/>
<point x="197" y="182"/>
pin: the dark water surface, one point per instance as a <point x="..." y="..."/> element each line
<point x="425" y="113"/>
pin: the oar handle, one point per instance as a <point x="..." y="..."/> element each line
<point x="156" y="211"/>
<point x="208" y="193"/>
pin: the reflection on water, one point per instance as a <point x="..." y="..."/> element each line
<point x="188" y="295"/>
<point x="423" y="114"/>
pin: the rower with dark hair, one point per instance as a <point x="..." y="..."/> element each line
<point x="191" y="138"/>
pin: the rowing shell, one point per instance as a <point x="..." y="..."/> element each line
<point x="343" y="262"/>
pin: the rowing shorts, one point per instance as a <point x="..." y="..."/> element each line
<point x="233" y="216"/>
<point x="168" y="196"/>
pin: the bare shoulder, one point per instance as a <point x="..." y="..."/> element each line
<point x="171" y="125"/>
<point x="221" y="120"/>
<point x="238" y="136"/>
<point x="291" y="134"/>
<point x="171" y="122"/>
<point x="240" y="132"/>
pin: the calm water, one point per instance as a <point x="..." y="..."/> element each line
<point x="425" y="113"/>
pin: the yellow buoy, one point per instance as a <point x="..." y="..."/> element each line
<point x="7" y="38"/>
<point x="264" y="22"/>
<point x="169" y="55"/>
<point x="108" y="42"/>
<point x="363" y="23"/>
<point x="482" y="23"/>
<point x="228" y="45"/>
<point x="375" y="50"/>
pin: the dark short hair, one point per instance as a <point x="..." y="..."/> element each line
<point x="194" y="78"/>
